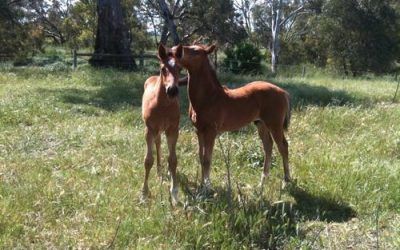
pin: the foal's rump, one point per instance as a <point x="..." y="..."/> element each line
<point x="261" y="100"/>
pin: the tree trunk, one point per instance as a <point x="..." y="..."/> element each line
<point x="275" y="30"/>
<point x="112" y="37"/>
<point x="276" y="24"/>
<point x="169" y="22"/>
<point x="164" y="34"/>
<point x="274" y="55"/>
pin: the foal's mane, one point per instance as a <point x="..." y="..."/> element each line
<point x="213" y="73"/>
<point x="211" y="67"/>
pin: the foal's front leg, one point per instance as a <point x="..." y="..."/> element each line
<point x="148" y="162"/>
<point x="172" y="138"/>
<point x="208" y="146"/>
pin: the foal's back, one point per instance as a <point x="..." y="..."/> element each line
<point x="235" y="108"/>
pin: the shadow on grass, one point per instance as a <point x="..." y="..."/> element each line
<point x="111" y="93"/>
<point x="256" y="222"/>
<point x="320" y="208"/>
<point x="110" y="97"/>
<point x="304" y="95"/>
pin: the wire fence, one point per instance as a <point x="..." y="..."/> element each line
<point x="147" y="63"/>
<point x="116" y="58"/>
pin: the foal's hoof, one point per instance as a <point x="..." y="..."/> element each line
<point x="288" y="183"/>
<point x="160" y="176"/>
<point x="174" y="197"/>
<point x="144" y="196"/>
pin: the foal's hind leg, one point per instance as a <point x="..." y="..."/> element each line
<point x="200" y="139"/>
<point x="208" y="146"/>
<point x="266" y="139"/>
<point x="172" y="138"/>
<point x="148" y="162"/>
<point x="281" y="142"/>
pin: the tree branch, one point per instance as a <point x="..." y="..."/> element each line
<point x="292" y="14"/>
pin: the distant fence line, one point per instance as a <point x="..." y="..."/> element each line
<point x="6" y="56"/>
<point x="141" y="56"/>
<point x="287" y="70"/>
<point x="299" y="70"/>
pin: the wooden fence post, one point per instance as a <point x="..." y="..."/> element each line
<point x="141" y="59"/>
<point x="303" y="73"/>
<point x="75" y="60"/>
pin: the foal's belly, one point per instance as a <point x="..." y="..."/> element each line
<point x="237" y="121"/>
<point x="223" y="120"/>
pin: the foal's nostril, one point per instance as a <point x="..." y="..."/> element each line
<point x="172" y="91"/>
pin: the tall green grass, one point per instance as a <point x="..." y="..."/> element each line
<point x="71" y="168"/>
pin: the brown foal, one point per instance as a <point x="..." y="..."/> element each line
<point x="215" y="109"/>
<point x="160" y="112"/>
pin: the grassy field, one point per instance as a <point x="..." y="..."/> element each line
<point x="71" y="168"/>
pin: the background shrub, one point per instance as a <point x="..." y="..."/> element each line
<point x="244" y="58"/>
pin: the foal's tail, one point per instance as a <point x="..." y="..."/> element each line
<point x="286" y="122"/>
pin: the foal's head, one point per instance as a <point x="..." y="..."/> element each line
<point x="169" y="72"/>
<point x="193" y="56"/>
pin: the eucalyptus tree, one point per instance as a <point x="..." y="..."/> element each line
<point x="274" y="16"/>
<point x="215" y="19"/>
<point x="112" y="44"/>
<point x="171" y="14"/>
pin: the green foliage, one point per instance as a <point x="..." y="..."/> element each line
<point x="52" y="58"/>
<point x="244" y="58"/>
<point x="291" y="53"/>
<point x="17" y="38"/>
<point x="354" y="36"/>
<point x="140" y="37"/>
<point x="81" y="24"/>
<point x="364" y="36"/>
<point x="351" y="36"/>
<point x="215" y="19"/>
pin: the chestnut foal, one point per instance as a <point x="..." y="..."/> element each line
<point x="215" y="109"/>
<point x="160" y="112"/>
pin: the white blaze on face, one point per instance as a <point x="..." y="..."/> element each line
<point x="171" y="62"/>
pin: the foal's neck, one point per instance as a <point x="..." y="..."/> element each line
<point x="203" y="85"/>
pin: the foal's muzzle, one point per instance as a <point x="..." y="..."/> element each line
<point x="172" y="91"/>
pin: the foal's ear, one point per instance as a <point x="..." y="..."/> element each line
<point x="179" y="52"/>
<point x="210" y="49"/>
<point x="162" y="52"/>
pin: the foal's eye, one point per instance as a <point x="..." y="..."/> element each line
<point x="164" y="71"/>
